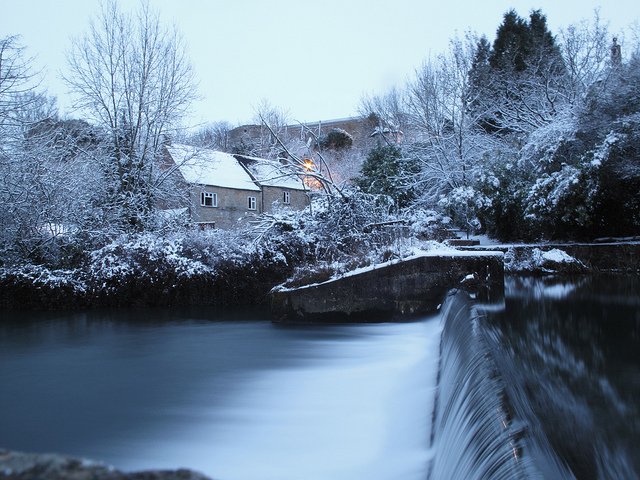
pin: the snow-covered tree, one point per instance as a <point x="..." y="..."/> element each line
<point x="385" y="172"/>
<point x="131" y="76"/>
<point x="525" y="84"/>
<point x="386" y="113"/>
<point x="451" y="147"/>
<point x="32" y="183"/>
<point x="214" y="135"/>
<point x="586" y="53"/>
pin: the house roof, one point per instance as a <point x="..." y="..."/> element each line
<point x="269" y="173"/>
<point x="202" y="166"/>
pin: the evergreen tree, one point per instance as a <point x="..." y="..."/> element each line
<point x="480" y="76"/>
<point x="480" y="67"/>
<point x="544" y="53"/>
<point x="525" y="82"/>
<point x="512" y="45"/>
<point x="386" y="172"/>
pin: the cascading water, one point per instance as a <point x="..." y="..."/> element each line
<point x="474" y="435"/>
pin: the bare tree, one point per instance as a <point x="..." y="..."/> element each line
<point x="585" y="49"/>
<point x="214" y="135"/>
<point x="18" y="83"/>
<point x="387" y="113"/>
<point x="130" y="74"/>
<point x="450" y="146"/>
<point x="277" y="119"/>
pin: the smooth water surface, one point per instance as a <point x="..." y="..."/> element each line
<point x="569" y="352"/>
<point x="232" y="398"/>
<point x="240" y="398"/>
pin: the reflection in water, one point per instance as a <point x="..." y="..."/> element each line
<point x="554" y="377"/>
<point x="234" y="399"/>
<point x="570" y="355"/>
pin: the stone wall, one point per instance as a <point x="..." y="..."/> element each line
<point x="232" y="205"/>
<point x="358" y="127"/>
<point x="609" y="257"/>
<point x="298" y="199"/>
<point x="395" y="290"/>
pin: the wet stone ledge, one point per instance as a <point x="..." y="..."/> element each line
<point x="32" y="466"/>
<point x="397" y="290"/>
<point x="599" y="257"/>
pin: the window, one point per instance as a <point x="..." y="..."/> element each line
<point x="208" y="199"/>
<point x="252" y="203"/>
<point x="286" y="198"/>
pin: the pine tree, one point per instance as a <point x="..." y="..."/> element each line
<point x="511" y="47"/>
<point x="385" y="172"/>
<point x="480" y="79"/>
<point x="525" y="81"/>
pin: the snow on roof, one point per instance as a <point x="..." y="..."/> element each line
<point x="270" y="173"/>
<point x="210" y="167"/>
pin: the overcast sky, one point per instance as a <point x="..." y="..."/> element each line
<point x="315" y="59"/>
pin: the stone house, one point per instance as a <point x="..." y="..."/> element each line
<point x="222" y="188"/>
<point x="279" y="187"/>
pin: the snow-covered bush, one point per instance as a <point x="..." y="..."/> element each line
<point x="145" y="255"/>
<point x="560" y="204"/>
<point x="463" y="204"/>
<point x="36" y="287"/>
<point x="336" y="139"/>
<point x="429" y="225"/>
<point x="528" y="260"/>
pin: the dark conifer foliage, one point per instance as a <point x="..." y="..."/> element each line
<point x="518" y="83"/>
<point x="512" y="45"/>
<point x="386" y="172"/>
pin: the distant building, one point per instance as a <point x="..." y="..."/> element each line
<point x="365" y="132"/>
<point x="221" y="188"/>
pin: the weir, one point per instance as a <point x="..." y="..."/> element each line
<point x="476" y="433"/>
<point x="395" y="290"/>
<point x="480" y="426"/>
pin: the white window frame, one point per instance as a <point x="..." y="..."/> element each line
<point x="204" y="196"/>
<point x="286" y="198"/>
<point x="253" y="203"/>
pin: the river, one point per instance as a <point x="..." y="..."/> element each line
<point x="230" y="397"/>
<point x="237" y="397"/>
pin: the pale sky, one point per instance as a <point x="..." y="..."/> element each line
<point x="314" y="59"/>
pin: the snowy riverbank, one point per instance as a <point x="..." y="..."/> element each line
<point x="151" y="271"/>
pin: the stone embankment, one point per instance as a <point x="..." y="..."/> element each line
<point x="604" y="257"/>
<point x="396" y="290"/>
<point x="31" y="466"/>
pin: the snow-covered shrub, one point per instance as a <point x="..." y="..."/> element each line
<point x="503" y="187"/>
<point x="213" y="267"/>
<point x="550" y="145"/>
<point x="561" y="203"/>
<point x="535" y="260"/>
<point x="341" y="227"/>
<point x="145" y="255"/>
<point x="429" y="225"/>
<point x="342" y="234"/>
<point x="38" y="287"/>
<point x="336" y="139"/>
<point x="462" y="204"/>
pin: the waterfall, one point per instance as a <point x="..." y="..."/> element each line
<point x="474" y="434"/>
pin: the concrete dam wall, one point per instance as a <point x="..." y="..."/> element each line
<point x="392" y="291"/>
